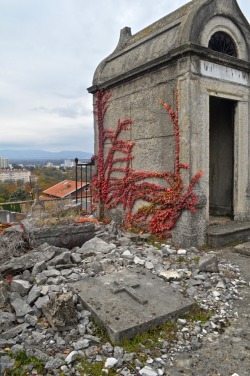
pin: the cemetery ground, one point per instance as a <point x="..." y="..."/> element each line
<point x="108" y="302"/>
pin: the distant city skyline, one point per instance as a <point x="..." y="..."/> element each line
<point x="42" y="154"/>
<point x="49" y="52"/>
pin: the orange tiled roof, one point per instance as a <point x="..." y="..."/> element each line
<point x="64" y="188"/>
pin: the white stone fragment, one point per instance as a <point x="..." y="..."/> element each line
<point x="147" y="371"/>
<point x="182" y="321"/>
<point x="169" y="275"/>
<point x="213" y="325"/>
<point x="216" y="294"/>
<point x="44" y="290"/>
<point x="139" y="261"/>
<point x="181" y="252"/>
<point x="149" y="265"/>
<point x="71" y="357"/>
<point x="110" y="362"/>
<point x="127" y="254"/>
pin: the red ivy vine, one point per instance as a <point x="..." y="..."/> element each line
<point x="113" y="185"/>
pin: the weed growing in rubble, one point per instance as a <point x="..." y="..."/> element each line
<point x="196" y="313"/>
<point x="151" y="340"/>
<point x="99" y="330"/>
<point x="24" y="364"/>
<point x="86" y="368"/>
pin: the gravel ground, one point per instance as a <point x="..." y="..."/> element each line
<point x="228" y="353"/>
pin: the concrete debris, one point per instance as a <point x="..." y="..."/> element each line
<point x="42" y="314"/>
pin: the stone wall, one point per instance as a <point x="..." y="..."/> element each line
<point x="7" y="216"/>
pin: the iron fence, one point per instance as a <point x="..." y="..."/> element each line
<point x="84" y="171"/>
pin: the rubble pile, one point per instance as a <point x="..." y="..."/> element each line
<point x="40" y="313"/>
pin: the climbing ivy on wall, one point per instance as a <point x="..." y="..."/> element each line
<point x="116" y="183"/>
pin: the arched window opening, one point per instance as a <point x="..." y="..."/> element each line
<point x="223" y="43"/>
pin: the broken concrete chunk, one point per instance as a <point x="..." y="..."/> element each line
<point x="31" y="320"/>
<point x="42" y="301"/>
<point x="209" y="263"/>
<point x="4" y="294"/>
<point x="169" y="275"/>
<point x="27" y="261"/>
<point x="34" y="294"/>
<point x="21" y="307"/>
<point x="63" y="258"/>
<point x="20" y="286"/>
<point x="76" y="258"/>
<point x="38" y="268"/>
<point x="50" y="273"/>
<point x="6" y="317"/>
<point x="67" y="236"/>
<point x="60" y="312"/>
<point x="13" y="332"/>
<point x="243" y="248"/>
<point x="96" y="245"/>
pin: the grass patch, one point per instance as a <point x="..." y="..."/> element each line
<point x="99" y="330"/>
<point x="151" y="340"/>
<point x="181" y="259"/>
<point x="24" y="364"/>
<point x="196" y="313"/>
<point x="93" y="369"/>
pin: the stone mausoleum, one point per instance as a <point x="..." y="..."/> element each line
<point x="202" y="49"/>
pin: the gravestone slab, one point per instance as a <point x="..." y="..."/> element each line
<point x="131" y="302"/>
<point x="62" y="236"/>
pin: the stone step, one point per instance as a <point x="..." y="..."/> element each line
<point x="228" y="233"/>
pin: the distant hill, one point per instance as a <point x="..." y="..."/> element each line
<point x="42" y="154"/>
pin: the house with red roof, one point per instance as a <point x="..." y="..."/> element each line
<point x="66" y="189"/>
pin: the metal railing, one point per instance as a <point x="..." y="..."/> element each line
<point x="84" y="171"/>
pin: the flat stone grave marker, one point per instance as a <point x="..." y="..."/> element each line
<point x="130" y="302"/>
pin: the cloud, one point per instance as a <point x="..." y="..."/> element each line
<point x="71" y="111"/>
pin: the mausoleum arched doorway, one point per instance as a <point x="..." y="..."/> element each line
<point x="221" y="156"/>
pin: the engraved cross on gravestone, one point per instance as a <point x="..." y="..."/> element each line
<point x="130" y="290"/>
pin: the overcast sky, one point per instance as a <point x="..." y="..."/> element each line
<point x="49" y="50"/>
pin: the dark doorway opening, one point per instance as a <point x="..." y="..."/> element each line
<point x="221" y="156"/>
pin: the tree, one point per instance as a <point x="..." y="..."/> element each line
<point x="6" y="188"/>
<point x="19" y="195"/>
<point x="48" y="177"/>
